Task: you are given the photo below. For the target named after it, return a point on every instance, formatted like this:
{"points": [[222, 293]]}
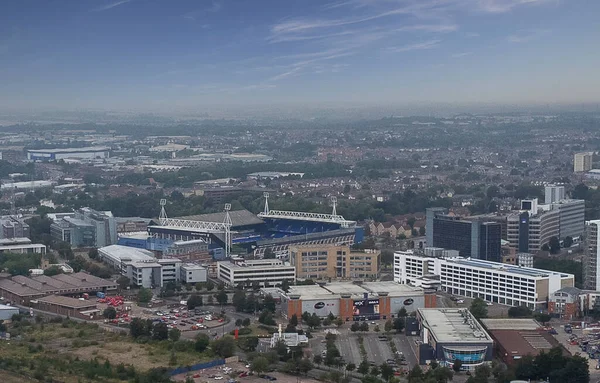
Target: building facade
{"points": [[491, 281], [60, 154], [553, 193], [86, 228], [591, 265], [582, 162], [529, 233], [14, 227], [266, 272], [331, 261], [192, 273]]}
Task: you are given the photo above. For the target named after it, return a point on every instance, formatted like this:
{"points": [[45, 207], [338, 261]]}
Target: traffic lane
{"points": [[403, 344], [378, 351], [349, 348]]}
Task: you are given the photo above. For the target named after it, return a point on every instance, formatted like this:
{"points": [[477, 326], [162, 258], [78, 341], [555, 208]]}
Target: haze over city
{"points": [[156, 55]]}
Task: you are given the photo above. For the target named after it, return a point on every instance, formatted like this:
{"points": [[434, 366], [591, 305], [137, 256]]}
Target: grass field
{"points": [[63, 351]]}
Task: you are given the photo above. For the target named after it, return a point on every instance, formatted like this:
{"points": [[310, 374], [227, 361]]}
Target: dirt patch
{"points": [[9, 377]]}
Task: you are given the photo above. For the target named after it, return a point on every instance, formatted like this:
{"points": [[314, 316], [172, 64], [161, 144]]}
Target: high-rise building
{"points": [[85, 228], [528, 232], [554, 193], [431, 213], [471, 238], [571, 217], [582, 162], [591, 265]]}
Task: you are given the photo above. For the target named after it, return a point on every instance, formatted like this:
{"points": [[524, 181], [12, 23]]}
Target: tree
{"points": [[317, 359], [388, 325], [355, 327], [52, 271], [109, 313], [144, 295], [363, 367], [93, 253], [554, 245], [387, 257], [224, 347], [269, 303], [519, 312], [259, 365], [267, 318], [123, 282], [285, 285], [174, 334], [386, 371], [364, 327], [137, 328], [246, 322], [568, 241], [305, 365], [338, 322], [239, 300], [222, 297], [402, 313], [457, 365], [542, 317], [194, 301], [350, 367], [441, 374], [294, 320], [415, 374], [399, 324], [210, 285], [160, 331], [375, 371], [478, 308], [201, 343]]}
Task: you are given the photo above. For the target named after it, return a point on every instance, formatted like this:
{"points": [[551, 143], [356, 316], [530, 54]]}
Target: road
{"points": [[378, 351], [406, 345]]}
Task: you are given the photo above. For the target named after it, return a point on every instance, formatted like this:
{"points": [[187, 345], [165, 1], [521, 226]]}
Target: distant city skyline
{"points": [[158, 55]]}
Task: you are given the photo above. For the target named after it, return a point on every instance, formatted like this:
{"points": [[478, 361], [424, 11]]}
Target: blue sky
{"points": [[183, 54]]}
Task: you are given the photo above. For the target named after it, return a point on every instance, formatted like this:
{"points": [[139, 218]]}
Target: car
{"points": [[459, 301], [489, 303], [373, 323], [247, 366], [221, 320], [218, 377]]}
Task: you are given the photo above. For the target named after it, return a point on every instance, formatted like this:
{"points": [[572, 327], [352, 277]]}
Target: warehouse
{"points": [[6, 312], [21, 290], [351, 301], [61, 154], [70, 307], [451, 334]]}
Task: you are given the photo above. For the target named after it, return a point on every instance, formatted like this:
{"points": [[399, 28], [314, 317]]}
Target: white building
{"points": [[268, 272], [553, 193], [140, 266], [582, 162], [61, 154], [21, 247], [494, 282], [192, 273]]}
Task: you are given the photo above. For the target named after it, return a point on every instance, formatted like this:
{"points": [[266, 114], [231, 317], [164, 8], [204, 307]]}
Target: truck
{"points": [[100, 295]]}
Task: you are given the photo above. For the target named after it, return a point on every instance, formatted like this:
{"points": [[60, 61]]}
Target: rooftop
{"points": [[67, 302], [5, 307], [453, 326], [510, 324], [526, 271], [71, 150], [523, 342], [118, 252], [336, 289], [42, 284]]}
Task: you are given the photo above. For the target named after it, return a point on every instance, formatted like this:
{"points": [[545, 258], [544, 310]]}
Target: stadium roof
{"points": [[238, 218]]}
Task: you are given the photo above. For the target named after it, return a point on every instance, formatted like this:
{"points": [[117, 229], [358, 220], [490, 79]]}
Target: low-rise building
{"points": [[326, 261], [565, 303], [21, 246], [192, 273], [267, 272], [451, 334], [70, 307]]}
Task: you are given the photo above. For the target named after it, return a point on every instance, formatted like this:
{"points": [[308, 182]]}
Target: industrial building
{"points": [[491, 281], [516, 338], [61, 154], [66, 306], [352, 301], [331, 261], [267, 272], [451, 334], [471, 238], [21, 290]]}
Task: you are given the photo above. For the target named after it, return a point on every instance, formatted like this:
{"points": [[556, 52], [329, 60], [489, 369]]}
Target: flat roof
{"points": [[453, 325], [357, 291], [510, 324], [249, 265], [39, 285], [524, 342], [512, 269], [6, 307], [119, 252], [71, 150], [238, 218]]}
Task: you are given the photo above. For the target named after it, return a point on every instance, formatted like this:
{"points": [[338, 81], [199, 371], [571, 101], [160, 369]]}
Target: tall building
{"points": [[591, 266], [571, 217], [331, 261], [431, 213], [528, 233], [14, 227], [471, 238], [104, 223], [582, 162], [554, 193], [85, 228]]}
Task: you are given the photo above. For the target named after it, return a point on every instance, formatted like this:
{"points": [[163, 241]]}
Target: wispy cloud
{"points": [[110, 5], [503, 6], [525, 36], [416, 47], [461, 54], [215, 6]]}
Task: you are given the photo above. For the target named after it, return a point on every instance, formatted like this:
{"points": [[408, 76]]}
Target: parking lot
{"points": [[563, 338]]}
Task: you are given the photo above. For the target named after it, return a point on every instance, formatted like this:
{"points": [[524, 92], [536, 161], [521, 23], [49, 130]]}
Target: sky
{"points": [[185, 54]]}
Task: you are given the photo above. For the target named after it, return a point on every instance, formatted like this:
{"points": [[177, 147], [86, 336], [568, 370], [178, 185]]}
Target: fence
{"points": [[196, 367]]}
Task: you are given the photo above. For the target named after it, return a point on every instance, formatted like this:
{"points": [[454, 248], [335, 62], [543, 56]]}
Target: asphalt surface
{"points": [[378, 351], [349, 348], [406, 345]]}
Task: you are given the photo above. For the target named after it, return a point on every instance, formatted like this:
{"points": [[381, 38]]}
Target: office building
{"points": [[494, 282], [571, 217], [529, 230], [61, 154], [354, 302], [266, 272], [583, 162], [451, 334], [553, 193], [192, 273], [21, 246], [471, 238], [430, 215], [591, 258], [330, 261], [85, 228], [14, 227]]}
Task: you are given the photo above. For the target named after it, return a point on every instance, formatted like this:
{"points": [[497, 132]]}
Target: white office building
{"points": [[192, 273], [494, 282], [267, 272]]}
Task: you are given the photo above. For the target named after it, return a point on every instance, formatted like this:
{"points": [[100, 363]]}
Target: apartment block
{"points": [[582, 162]]}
